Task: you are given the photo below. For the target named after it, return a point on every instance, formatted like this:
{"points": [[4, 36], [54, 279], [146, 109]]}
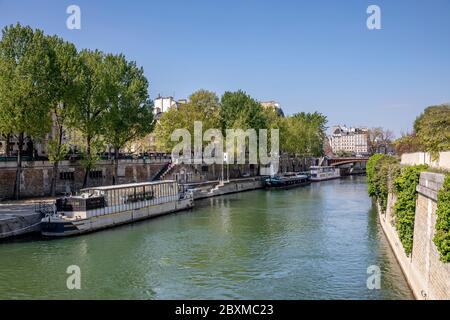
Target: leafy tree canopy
{"points": [[202, 106], [433, 128], [129, 112], [25, 81], [303, 134], [239, 110]]}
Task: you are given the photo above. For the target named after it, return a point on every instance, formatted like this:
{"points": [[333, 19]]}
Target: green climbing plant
{"points": [[370, 172], [405, 185], [442, 236], [381, 169]]}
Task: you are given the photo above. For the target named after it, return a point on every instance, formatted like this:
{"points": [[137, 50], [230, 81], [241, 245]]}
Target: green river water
{"points": [[313, 242]]}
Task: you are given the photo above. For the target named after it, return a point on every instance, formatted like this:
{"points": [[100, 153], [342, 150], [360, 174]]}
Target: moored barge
{"points": [[324, 173], [287, 181], [104, 207]]}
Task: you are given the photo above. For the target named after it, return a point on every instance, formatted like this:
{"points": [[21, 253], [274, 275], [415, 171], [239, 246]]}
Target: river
{"points": [[314, 242]]}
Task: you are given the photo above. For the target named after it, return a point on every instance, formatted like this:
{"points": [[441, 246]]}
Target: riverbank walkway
{"points": [[19, 217]]}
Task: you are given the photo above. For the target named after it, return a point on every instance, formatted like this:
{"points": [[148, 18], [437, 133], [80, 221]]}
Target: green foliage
{"points": [[239, 110], [56, 151], [88, 116], [408, 143], [203, 106], [370, 173], [405, 207], [303, 134], [25, 86], [381, 169], [91, 154], [129, 115], [65, 93], [442, 237], [433, 129], [25, 78]]}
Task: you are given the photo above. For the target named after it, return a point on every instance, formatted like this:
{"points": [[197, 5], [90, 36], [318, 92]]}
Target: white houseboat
{"points": [[104, 207], [324, 173]]}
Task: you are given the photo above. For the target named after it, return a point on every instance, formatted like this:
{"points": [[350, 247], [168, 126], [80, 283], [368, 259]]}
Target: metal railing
{"points": [[44, 208]]}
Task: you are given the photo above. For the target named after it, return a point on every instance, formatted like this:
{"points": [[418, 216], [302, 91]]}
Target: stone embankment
{"points": [[214, 189], [428, 277], [19, 218]]}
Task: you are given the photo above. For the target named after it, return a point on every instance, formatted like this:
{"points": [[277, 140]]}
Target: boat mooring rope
{"points": [[22, 229]]}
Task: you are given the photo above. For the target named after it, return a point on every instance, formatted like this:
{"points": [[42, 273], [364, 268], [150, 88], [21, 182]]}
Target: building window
{"points": [[67, 176], [95, 174]]}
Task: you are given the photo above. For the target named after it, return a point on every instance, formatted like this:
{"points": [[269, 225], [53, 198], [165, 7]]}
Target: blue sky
{"points": [[308, 55]]}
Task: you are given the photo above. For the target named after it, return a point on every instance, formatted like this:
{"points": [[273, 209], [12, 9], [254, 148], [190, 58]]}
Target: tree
{"points": [[25, 91], [65, 89], [207, 103], [203, 106], [303, 134], [239, 110], [407, 143], [379, 139], [433, 129], [129, 115], [87, 116]]}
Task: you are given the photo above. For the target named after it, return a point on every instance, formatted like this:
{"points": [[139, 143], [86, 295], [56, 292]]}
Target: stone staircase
{"points": [[167, 171], [217, 187], [163, 172], [321, 161]]}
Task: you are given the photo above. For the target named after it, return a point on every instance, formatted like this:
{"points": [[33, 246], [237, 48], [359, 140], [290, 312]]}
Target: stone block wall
{"points": [[425, 255], [36, 176], [428, 277], [441, 162]]}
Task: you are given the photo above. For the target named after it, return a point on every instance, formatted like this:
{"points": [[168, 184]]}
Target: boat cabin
{"points": [[109, 199]]}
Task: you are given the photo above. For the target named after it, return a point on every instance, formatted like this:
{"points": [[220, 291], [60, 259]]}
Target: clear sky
{"points": [[308, 55]]}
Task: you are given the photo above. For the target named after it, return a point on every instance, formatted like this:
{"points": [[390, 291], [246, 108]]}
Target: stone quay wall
{"points": [[428, 277], [36, 176], [192, 173], [442, 161]]}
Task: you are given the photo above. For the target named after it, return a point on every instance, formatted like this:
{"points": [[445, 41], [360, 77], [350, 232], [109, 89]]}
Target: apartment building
{"points": [[349, 139]]}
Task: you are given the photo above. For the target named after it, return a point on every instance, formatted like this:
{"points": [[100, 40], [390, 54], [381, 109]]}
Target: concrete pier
{"points": [[217, 188], [18, 218]]}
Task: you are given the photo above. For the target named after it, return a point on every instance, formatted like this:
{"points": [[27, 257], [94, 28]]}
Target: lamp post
{"points": [[225, 159]]}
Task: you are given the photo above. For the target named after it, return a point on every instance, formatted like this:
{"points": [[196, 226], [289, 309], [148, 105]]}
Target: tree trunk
{"points": [[54, 177], [88, 167], [8, 146], [56, 164], [19, 168], [116, 166]]}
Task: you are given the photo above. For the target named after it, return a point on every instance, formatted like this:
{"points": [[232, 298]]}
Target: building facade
{"points": [[163, 104], [273, 104], [349, 140]]}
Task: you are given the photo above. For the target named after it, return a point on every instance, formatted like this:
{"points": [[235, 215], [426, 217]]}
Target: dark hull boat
{"points": [[287, 182]]}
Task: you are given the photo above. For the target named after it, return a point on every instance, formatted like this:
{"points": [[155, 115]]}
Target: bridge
{"points": [[349, 165], [337, 162]]}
